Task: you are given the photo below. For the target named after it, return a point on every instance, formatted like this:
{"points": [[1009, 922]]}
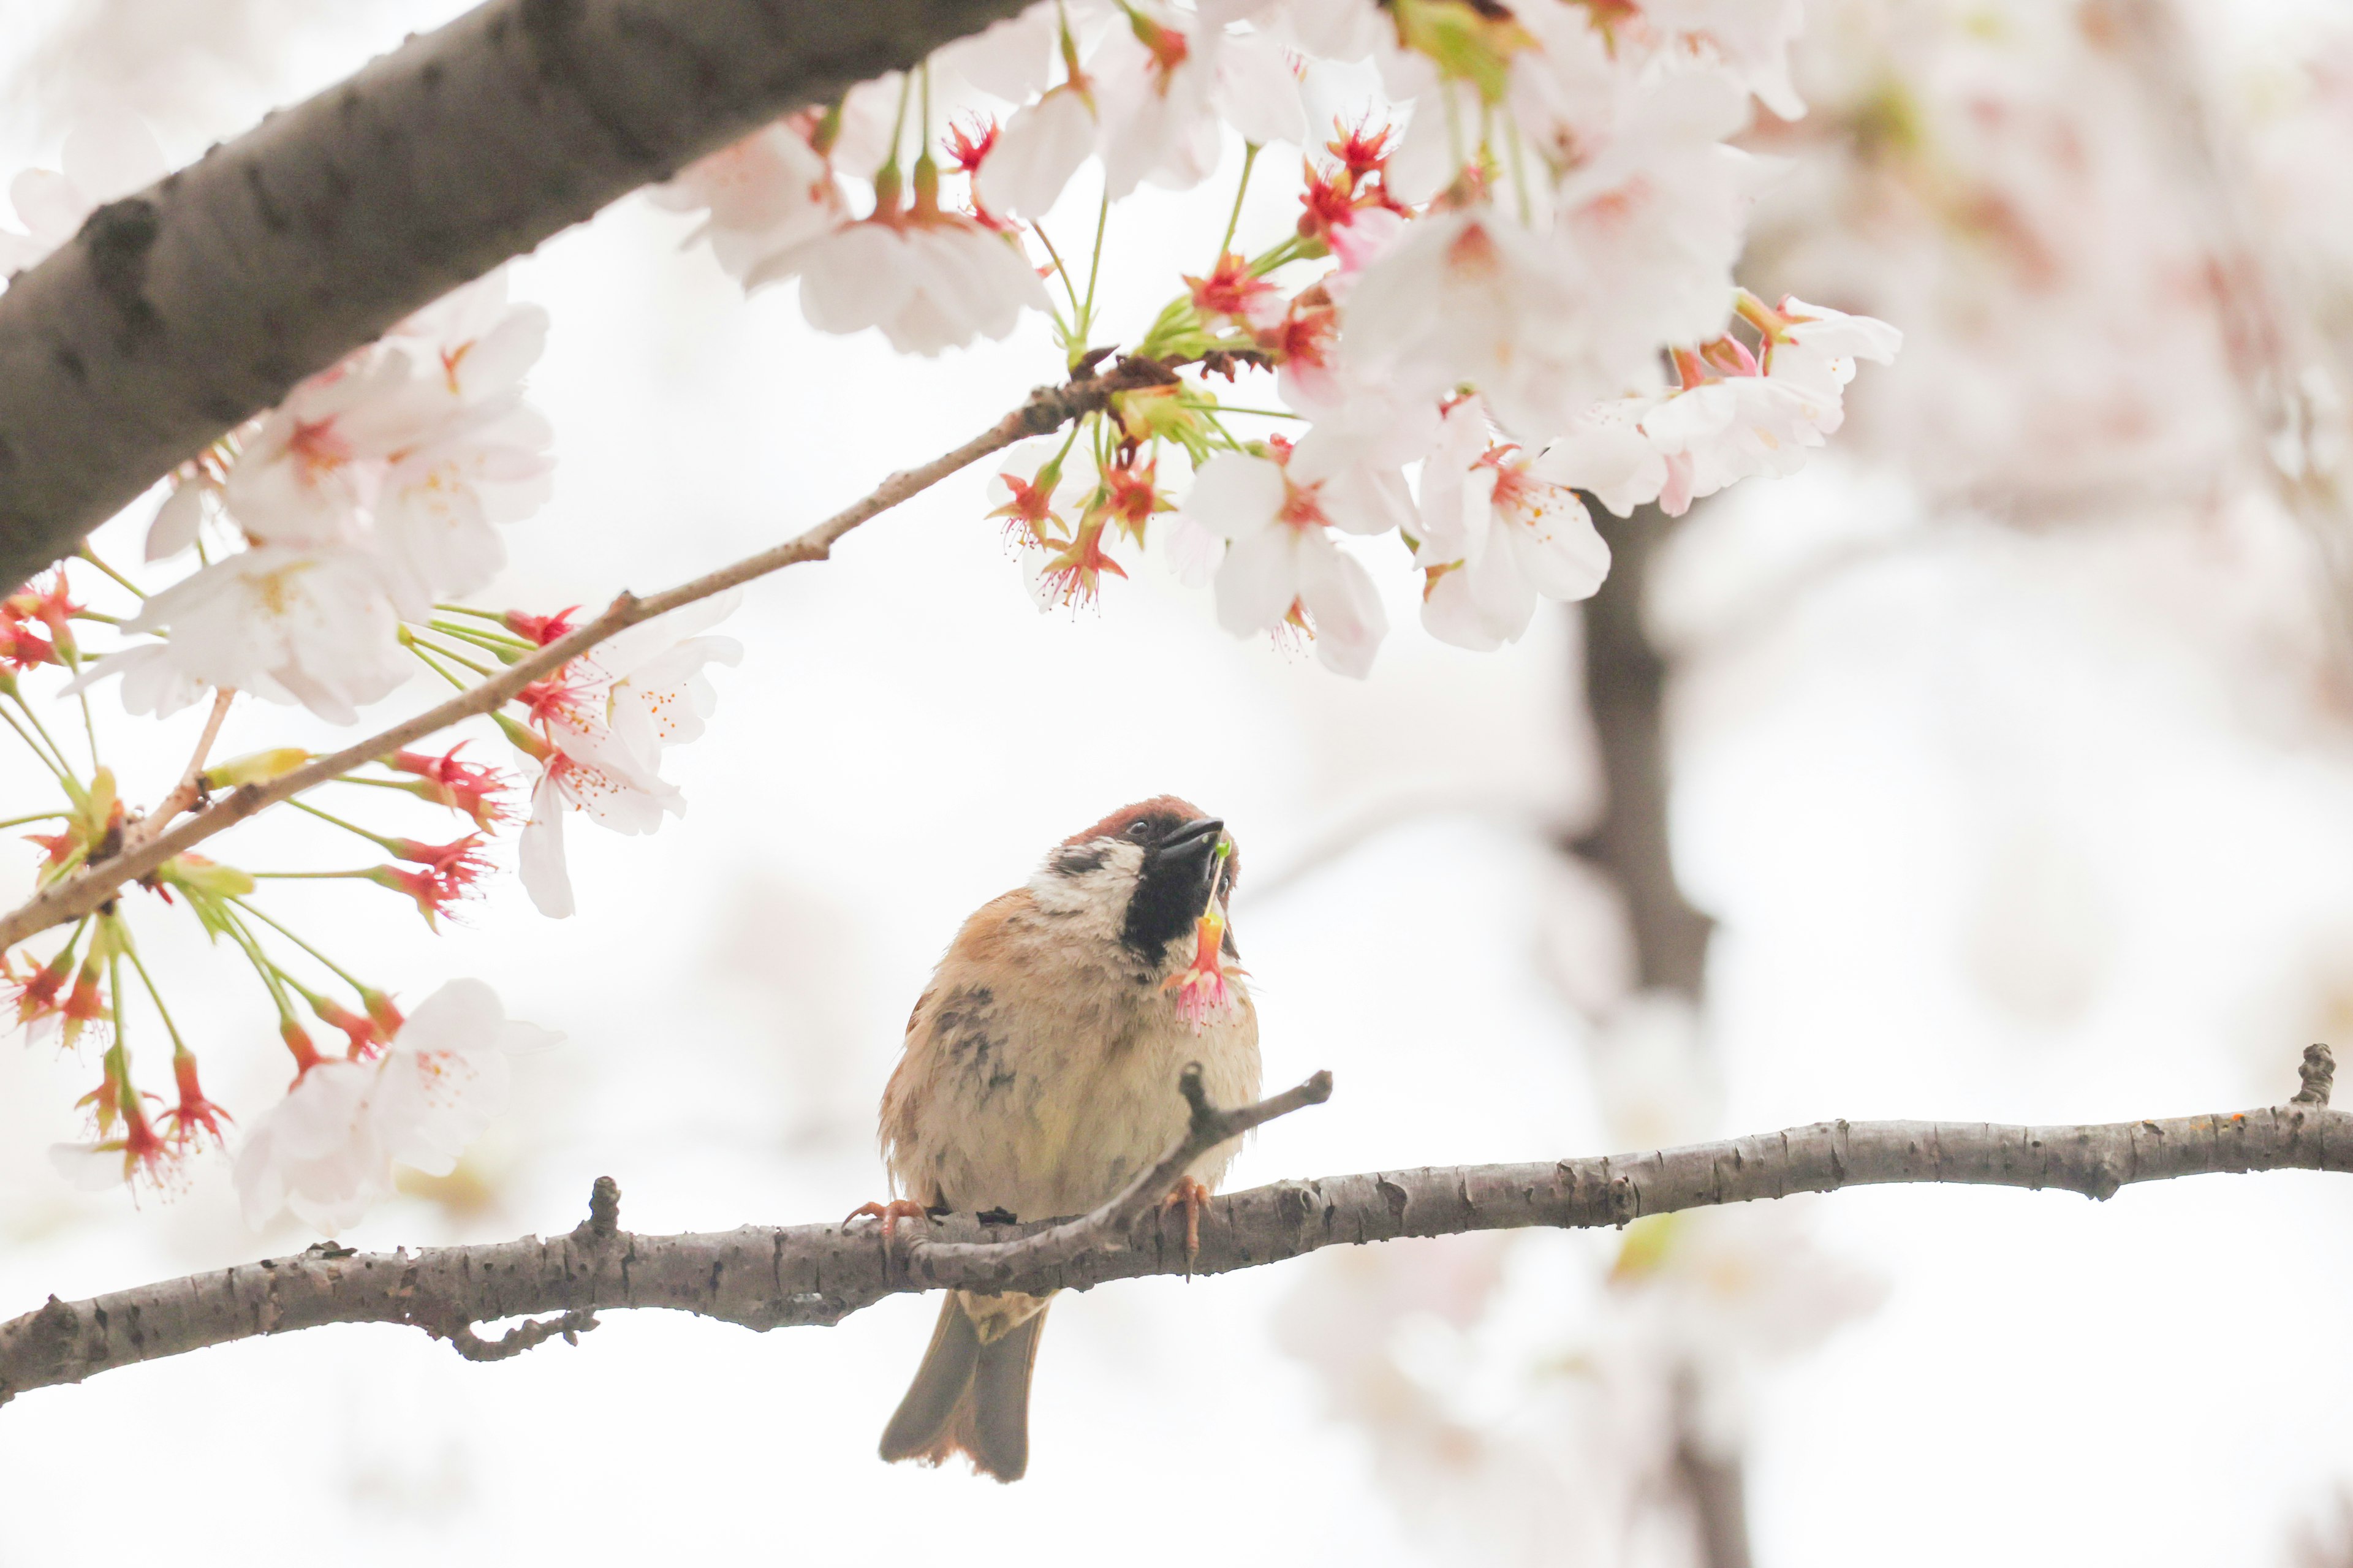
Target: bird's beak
{"points": [[1193, 848]]}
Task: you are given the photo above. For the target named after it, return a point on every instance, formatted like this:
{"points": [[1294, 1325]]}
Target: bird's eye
{"points": [[1141, 830]]}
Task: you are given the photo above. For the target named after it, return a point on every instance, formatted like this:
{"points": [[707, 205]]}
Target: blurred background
{"points": [[1999, 765]]}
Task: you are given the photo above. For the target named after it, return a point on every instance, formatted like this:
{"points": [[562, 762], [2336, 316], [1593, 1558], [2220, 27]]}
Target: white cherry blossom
{"points": [[1471, 296], [1815, 347], [315, 625], [1498, 537], [105, 156], [929, 286], [327, 1149], [765, 196], [1605, 454], [153, 683], [1281, 561], [603, 723]]}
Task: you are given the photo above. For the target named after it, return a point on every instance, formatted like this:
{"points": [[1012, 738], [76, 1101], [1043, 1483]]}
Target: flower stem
{"points": [[1062, 272], [35, 720], [1095, 265], [63, 778], [1242, 188], [339, 971], [179, 1047], [379, 840], [35, 816], [409, 636], [89, 555], [432, 664]]}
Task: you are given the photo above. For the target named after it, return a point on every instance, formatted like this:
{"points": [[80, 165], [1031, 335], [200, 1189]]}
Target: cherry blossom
{"points": [[305, 475], [1472, 296], [327, 1149], [105, 156], [929, 284], [1815, 347], [440, 501], [314, 626], [1496, 536], [1282, 565], [766, 196], [601, 725], [1150, 100]]}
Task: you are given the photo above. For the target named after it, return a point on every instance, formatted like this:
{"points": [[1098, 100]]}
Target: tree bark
{"points": [[766, 1276], [180, 311], [1625, 691]]}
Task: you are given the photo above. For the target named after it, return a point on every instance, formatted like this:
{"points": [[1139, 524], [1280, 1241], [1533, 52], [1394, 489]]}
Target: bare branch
{"points": [[76, 895], [180, 311], [970, 1265], [767, 1277]]}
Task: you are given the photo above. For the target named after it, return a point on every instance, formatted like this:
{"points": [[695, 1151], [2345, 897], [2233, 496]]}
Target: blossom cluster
{"points": [[1503, 296], [1507, 295], [310, 556]]}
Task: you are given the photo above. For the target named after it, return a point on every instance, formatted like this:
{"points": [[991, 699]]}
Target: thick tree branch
{"points": [[1625, 690], [767, 1277], [182, 311], [148, 845]]}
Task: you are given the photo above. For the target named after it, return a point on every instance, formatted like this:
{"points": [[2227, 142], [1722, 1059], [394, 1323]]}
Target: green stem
{"points": [[311, 875], [1233, 220], [409, 636], [1064, 273], [121, 1034], [36, 816], [434, 665], [492, 641], [261, 965], [378, 840], [1095, 265], [63, 778], [339, 971], [35, 720], [88, 556], [179, 1047]]}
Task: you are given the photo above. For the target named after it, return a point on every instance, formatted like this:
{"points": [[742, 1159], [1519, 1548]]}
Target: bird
{"points": [[1039, 1076]]}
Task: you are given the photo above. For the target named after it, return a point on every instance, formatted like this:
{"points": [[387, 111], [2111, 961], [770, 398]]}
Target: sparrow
{"points": [[1039, 1076]]}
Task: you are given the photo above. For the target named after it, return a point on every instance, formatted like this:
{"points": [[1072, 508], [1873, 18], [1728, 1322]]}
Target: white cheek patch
{"points": [[1090, 882]]}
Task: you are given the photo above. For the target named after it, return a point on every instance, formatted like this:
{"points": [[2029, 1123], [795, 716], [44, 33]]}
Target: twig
{"points": [[766, 1276], [970, 1264], [190, 789], [71, 896]]}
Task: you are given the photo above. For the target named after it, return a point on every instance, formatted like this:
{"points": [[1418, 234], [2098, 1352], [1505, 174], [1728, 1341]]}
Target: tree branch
{"points": [[767, 1277], [180, 311], [1625, 690], [147, 846]]}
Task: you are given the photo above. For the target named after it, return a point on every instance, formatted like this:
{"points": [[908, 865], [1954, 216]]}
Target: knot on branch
{"points": [[604, 1221], [517, 1340], [2319, 1072]]}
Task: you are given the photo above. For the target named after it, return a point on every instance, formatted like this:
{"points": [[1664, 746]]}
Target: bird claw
{"points": [[1189, 1195], [889, 1214]]}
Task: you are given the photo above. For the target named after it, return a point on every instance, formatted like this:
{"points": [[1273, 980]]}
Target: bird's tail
{"points": [[971, 1395]]}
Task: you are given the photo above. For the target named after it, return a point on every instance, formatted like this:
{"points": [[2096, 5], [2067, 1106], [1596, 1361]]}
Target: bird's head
{"points": [[1141, 877]]}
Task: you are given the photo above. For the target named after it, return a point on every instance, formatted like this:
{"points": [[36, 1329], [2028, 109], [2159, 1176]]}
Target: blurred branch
{"points": [[767, 1277], [2269, 329], [145, 849], [1625, 690], [178, 313]]}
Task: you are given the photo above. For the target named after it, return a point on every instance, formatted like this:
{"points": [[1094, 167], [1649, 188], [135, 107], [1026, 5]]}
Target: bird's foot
{"points": [[1189, 1195], [889, 1214]]}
